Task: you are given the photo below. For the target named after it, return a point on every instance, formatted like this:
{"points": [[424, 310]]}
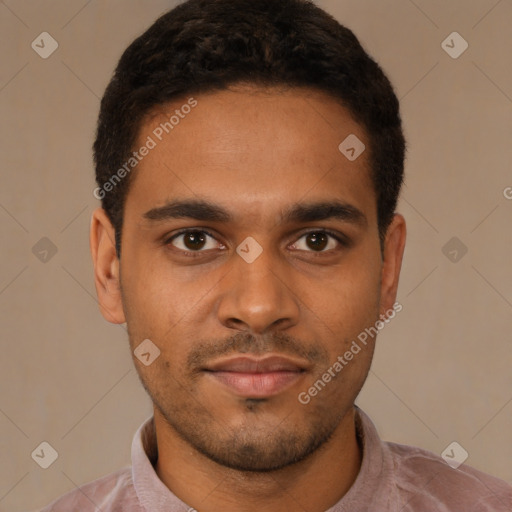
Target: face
{"points": [[251, 259]]}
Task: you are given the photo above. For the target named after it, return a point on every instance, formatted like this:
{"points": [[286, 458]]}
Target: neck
{"points": [[315, 484]]}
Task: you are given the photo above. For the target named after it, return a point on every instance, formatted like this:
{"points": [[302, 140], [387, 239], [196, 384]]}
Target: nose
{"points": [[258, 296]]}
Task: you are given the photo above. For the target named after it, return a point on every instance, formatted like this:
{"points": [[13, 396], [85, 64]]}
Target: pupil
{"points": [[316, 242], [194, 240]]}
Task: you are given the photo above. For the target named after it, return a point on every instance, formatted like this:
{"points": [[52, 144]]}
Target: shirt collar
{"points": [[153, 494], [375, 464]]}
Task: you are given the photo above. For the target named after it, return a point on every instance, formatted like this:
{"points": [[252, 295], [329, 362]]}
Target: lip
{"points": [[252, 377], [247, 364]]}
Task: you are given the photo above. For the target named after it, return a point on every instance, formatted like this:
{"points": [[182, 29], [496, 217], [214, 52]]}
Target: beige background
{"points": [[442, 367]]}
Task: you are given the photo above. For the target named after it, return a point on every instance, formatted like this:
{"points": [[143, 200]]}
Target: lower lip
{"points": [[257, 385]]}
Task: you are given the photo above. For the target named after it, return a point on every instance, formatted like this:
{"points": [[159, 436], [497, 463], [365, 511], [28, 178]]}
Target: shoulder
{"points": [[110, 493], [425, 481]]}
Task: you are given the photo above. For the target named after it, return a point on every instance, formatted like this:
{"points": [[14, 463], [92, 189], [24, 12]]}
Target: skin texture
{"points": [[255, 152]]}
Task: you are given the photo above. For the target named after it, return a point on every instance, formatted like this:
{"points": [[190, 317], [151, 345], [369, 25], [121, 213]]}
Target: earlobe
{"points": [[106, 267], [393, 253]]}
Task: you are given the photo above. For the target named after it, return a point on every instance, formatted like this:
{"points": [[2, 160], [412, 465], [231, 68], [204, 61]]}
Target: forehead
{"points": [[251, 150]]}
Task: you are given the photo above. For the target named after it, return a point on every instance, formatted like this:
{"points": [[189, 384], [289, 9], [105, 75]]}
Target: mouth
{"points": [[252, 377]]}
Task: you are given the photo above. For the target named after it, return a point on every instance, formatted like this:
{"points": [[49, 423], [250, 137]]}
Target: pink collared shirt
{"points": [[392, 478]]}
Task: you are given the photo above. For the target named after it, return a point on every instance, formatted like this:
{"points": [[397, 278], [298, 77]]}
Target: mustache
{"points": [[247, 343]]}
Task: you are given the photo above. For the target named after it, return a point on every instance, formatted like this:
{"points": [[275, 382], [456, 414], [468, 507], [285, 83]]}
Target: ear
{"points": [[394, 246], [106, 267]]}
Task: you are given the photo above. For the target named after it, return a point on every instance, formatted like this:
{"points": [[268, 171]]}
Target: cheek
{"points": [[151, 290], [161, 308], [349, 301]]}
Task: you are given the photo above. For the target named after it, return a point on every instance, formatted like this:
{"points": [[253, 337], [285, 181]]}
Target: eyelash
{"points": [[343, 242]]}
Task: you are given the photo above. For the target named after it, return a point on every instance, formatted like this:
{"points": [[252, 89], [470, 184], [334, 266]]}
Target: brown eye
{"points": [[192, 240], [319, 241]]}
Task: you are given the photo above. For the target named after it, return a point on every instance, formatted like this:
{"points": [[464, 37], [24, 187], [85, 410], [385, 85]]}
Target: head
{"points": [[225, 118]]}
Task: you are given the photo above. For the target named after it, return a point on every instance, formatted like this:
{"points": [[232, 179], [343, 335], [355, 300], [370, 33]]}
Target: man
{"points": [[249, 157]]}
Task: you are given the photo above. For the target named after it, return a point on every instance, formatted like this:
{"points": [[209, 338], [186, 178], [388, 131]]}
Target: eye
{"points": [[319, 241], [193, 240]]}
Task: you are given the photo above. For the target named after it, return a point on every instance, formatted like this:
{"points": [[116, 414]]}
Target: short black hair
{"points": [[209, 45]]}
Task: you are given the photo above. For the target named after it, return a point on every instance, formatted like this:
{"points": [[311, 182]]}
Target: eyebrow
{"points": [[202, 210]]}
